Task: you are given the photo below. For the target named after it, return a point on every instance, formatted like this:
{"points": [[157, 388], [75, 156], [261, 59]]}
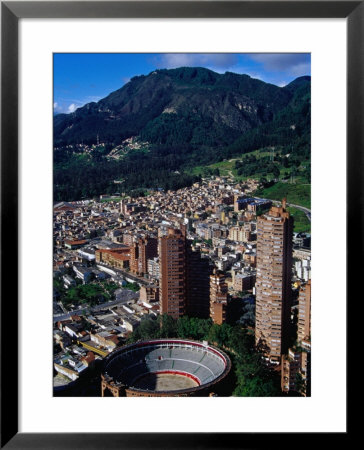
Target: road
{"points": [[123, 297], [125, 274], [302, 208]]}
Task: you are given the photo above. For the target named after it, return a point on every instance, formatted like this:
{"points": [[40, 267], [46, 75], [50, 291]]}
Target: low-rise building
{"points": [[68, 281], [149, 294], [74, 244], [244, 281], [295, 372], [83, 273], [116, 258], [106, 340]]}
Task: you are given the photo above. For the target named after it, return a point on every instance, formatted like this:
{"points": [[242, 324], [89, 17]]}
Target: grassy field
{"points": [[301, 223], [227, 168], [224, 167], [298, 194], [110, 199]]}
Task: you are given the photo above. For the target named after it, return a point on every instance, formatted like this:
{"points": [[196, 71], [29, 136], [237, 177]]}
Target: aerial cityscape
{"points": [[182, 226]]}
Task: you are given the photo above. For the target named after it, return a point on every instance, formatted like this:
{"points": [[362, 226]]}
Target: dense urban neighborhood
{"points": [[196, 264]]}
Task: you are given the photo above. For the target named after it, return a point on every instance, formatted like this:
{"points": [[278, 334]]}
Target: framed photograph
{"points": [[57, 115]]}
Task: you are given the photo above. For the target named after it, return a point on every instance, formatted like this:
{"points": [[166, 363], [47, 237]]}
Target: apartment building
{"points": [[218, 297], [172, 267], [273, 281]]}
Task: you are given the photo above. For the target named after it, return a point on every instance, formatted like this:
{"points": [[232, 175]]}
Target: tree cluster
{"points": [[85, 294]]}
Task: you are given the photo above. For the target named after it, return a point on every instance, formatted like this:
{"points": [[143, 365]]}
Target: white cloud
{"points": [[72, 108], [62, 105], [292, 62], [301, 69], [57, 108]]}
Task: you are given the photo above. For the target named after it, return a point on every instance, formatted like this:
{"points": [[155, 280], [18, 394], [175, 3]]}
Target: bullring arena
{"points": [[164, 368]]}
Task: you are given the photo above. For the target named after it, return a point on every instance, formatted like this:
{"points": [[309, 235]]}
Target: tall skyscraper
{"points": [[273, 282], [172, 278]]}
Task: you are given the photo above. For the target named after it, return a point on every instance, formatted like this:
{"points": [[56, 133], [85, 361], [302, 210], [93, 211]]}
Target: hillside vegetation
{"points": [[155, 131]]}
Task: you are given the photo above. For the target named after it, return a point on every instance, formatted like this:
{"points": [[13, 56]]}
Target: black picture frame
{"points": [[11, 12]]}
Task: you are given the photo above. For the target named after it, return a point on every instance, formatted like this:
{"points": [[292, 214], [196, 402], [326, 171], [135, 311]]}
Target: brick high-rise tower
{"points": [[273, 282], [304, 315], [218, 297], [183, 278], [172, 266]]}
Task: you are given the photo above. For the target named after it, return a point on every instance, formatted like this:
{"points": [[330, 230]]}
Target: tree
{"points": [[148, 328], [168, 326], [193, 327], [220, 334], [263, 181], [248, 317], [183, 327], [276, 172], [256, 386], [132, 286]]}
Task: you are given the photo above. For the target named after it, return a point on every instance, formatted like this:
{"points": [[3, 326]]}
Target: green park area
{"points": [[297, 194], [301, 223], [86, 294]]}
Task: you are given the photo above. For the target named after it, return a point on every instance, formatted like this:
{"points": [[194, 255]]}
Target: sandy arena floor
{"points": [[164, 382]]}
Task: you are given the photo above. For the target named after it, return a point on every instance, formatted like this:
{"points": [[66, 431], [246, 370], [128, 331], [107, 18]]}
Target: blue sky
{"points": [[81, 78]]}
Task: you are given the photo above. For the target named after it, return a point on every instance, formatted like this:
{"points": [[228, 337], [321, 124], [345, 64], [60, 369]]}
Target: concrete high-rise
{"points": [[273, 281]]}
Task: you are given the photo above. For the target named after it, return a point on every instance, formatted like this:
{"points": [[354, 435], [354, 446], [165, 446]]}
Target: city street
{"points": [[123, 296]]}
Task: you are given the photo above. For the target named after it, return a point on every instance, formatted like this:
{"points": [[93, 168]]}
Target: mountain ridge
{"points": [[154, 129], [221, 103]]}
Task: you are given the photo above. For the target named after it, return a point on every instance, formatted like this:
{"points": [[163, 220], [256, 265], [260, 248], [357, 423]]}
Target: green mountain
{"points": [[184, 117], [185, 105]]}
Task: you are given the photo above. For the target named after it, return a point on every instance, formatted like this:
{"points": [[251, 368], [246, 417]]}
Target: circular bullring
{"points": [[165, 367]]}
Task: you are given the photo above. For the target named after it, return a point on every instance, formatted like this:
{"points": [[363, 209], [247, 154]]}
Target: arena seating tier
{"points": [[200, 362]]}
